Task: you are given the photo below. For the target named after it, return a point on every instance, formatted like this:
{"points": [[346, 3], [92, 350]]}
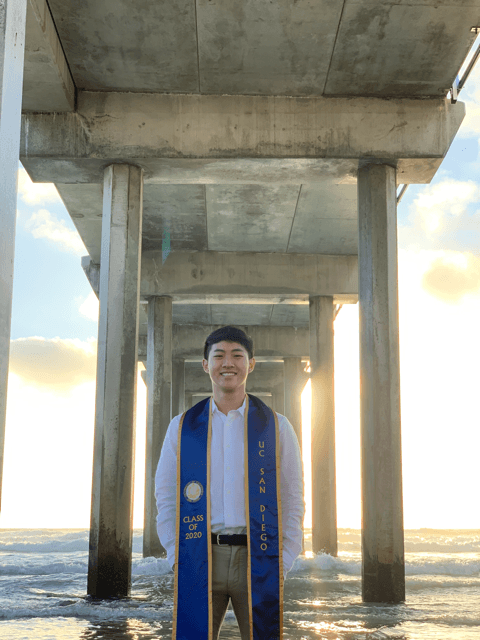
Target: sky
{"points": [[51, 392]]}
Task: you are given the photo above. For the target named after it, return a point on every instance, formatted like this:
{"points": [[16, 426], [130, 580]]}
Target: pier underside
{"points": [[233, 164]]}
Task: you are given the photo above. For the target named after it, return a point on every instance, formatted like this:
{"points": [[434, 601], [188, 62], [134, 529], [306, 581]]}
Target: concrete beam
{"points": [[48, 84], [12, 47], [215, 277], [244, 274], [152, 130], [92, 271], [110, 548], [279, 342], [383, 566]]}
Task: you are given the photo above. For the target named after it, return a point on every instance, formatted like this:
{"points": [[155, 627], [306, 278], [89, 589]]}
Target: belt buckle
{"points": [[225, 544]]}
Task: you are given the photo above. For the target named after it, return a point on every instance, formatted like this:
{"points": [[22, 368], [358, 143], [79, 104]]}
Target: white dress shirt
{"points": [[227, 490]]}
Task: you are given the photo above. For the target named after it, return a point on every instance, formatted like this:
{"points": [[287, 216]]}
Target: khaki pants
{"points": [[229, 580]]}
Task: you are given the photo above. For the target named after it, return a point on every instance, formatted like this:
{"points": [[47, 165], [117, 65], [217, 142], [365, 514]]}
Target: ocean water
{"points": [[43, 583]]}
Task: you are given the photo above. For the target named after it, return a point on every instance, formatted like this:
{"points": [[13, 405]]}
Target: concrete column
{"points": [[12, 48], [382, 509], [324, 503], [294, 382], [278, 392], [178, 387], [109, 569], [159, 409], [188, 401]]}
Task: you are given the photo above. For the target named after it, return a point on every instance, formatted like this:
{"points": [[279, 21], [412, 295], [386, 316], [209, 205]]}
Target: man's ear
{"points": [[205, 365], [251, 365]]}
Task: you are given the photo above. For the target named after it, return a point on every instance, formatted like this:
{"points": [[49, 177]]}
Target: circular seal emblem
{"points": [[193, 491]]}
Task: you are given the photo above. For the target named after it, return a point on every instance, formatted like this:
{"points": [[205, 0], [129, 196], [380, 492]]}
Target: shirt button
{"points": [[228, 491], [228, 446], [228, 468]]}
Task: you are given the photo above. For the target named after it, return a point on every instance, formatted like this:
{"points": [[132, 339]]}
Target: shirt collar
{"points": [[241, 409]]}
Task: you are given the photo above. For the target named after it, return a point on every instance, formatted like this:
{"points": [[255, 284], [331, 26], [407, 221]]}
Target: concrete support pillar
{"points": [[278, 392], [382, 509], [12, 48], [188, 401], [294, 383], [109, 569], [178, 387], [159, 409], [324, 505]]}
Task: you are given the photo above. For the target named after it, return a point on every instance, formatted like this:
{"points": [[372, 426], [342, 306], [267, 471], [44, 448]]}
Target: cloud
{"points": [[453, 276], [57, 364], [44, 224], [89, 307], [443, 216], [36, 193]]}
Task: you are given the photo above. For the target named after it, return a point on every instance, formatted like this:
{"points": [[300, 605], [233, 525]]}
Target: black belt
{"points": [[223, 539]]}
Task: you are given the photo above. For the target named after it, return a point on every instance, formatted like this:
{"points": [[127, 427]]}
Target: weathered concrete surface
{"points": [[329, 46], [245, 278], [12, 47], [130, 46], [109, 568], [295, 379], [324, 501], [204, 171], [406, 47], [382, 508], [141, 128], [243, 217], [284, 311], [184, 273], [47, 83], [159, 410], [304, 218]]}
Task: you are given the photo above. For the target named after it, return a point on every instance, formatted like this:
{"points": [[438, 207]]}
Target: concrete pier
{"points": [[324, 509], [178, 387], [295, 379], [382, 509], [251, 153], [12, 51], [109, 569], [159, 409]]}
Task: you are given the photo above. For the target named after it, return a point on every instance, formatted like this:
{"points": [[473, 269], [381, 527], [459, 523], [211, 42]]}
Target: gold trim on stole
{"points": [[177, 533], [209, 522], [280, 522], [209, 529], [247, 518]]}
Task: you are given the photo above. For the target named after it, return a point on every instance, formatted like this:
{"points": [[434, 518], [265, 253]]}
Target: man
{"points": [[245, 458]]}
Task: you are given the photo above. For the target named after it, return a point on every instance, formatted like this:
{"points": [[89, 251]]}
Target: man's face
{"points": [[228, 365]]}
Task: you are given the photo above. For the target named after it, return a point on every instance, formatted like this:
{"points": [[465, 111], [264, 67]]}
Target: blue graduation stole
{"points": [[192, 612]]}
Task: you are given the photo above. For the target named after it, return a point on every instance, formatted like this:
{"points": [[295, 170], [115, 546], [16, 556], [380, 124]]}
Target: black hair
{"points": [[228, 334]]}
